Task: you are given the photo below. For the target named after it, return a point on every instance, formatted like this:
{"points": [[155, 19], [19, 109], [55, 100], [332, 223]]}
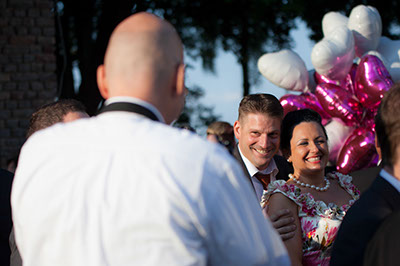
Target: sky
{"points": [[223, 89]]}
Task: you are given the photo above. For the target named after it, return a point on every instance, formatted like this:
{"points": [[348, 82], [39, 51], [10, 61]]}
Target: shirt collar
{"points": [[272, 169], [128, 99], [391, 179]]}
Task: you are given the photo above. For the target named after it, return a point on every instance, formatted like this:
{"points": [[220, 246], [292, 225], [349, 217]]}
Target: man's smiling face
{"points": [[259, 137]]}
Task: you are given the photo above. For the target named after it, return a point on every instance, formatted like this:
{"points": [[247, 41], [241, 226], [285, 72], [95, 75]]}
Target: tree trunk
{"points": [[244, 50], [113, 12], [245, 72], [64, 61]]}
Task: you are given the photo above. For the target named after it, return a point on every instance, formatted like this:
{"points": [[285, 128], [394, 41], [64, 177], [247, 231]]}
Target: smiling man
{"points": [[258, 131]]}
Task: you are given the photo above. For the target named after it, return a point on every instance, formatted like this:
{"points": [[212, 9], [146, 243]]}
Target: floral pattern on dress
{"points": [[319, 221]]}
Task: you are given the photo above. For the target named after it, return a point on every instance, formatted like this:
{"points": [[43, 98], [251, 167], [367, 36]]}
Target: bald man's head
{"points": [[144, 59]]}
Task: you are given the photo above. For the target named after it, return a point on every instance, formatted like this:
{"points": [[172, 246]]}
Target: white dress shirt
{"points": [[120, 189], [271, 170]]}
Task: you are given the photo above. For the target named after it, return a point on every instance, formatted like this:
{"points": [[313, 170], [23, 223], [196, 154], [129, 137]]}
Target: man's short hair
{"points": [[260, 103], [52, 113], [387, 125]]}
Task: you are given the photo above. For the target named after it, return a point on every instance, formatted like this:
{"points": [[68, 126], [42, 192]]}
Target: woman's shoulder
{"points": [[288, 190], [346, 182], [343, 178], [285, 187]]}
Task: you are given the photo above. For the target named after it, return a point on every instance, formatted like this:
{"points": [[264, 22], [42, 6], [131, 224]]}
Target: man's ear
{"points": [[102, 82], [180, 80], [236, 129], [376, 141]]}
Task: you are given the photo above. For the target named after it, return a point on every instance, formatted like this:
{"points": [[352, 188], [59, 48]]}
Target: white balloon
{"points": [[366, 24], [337, 134], [381, 57], [333, 56], [333, 20], [390, 51], [285, 69]]}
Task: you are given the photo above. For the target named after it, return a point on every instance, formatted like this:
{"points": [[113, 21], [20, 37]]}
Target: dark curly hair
{"points": [[291, 120]]}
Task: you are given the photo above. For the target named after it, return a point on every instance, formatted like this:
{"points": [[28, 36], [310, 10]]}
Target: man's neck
{"points": [[394, 171], [136, 101]]}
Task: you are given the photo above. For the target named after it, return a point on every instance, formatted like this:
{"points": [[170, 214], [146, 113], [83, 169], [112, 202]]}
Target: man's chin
{"points": [[261, 165]]}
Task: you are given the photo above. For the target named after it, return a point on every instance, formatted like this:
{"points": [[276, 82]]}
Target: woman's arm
{"points": [[278, 202]]}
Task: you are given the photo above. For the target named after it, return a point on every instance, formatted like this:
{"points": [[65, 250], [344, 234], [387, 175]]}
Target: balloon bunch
{"points": [[346, 94]]}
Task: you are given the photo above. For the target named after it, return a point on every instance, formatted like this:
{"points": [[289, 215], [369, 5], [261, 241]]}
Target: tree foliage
{"points": [[312, 13], [195, 114], [247, 28]]}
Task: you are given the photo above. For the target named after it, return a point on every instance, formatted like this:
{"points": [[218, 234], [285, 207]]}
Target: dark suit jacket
{"points": [[15, 257], [384, 247], [6, 179], [363, 178], [283, 166], [361, 222]]}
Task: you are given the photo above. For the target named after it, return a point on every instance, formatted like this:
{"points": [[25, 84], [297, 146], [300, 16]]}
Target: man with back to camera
{"points": [[382, 198], [136, 191]]}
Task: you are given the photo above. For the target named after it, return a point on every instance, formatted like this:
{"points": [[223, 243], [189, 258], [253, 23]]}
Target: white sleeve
{"points": [[241, 235]]}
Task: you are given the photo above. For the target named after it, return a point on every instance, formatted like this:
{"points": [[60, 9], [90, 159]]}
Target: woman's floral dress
{"points": [[319, 221]]}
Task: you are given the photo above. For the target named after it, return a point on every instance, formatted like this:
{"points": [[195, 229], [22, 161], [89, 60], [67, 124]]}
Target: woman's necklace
{"points": [[325, 188]]}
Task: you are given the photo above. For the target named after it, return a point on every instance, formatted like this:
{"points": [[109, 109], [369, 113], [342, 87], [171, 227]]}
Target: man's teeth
{"points": [[314, 159], [261, 151]]}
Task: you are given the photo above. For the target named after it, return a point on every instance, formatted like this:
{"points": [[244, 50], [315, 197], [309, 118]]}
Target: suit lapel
{"points": [[236, 154]]}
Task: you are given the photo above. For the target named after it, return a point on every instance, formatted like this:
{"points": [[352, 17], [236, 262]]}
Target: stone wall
{"points": [[27, 67]]}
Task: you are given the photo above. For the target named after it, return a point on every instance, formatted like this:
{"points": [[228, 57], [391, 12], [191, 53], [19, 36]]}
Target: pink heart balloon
{"points": [[369, 116], [374, 162], [351, 79], [291, 102], [357, 152], [338, 102], [319, 79], [347, 83], [337, 134], [311, 102], [372, 81]]}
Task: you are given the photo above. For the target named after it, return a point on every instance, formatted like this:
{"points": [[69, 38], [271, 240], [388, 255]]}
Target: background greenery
{"points": [[247, 28]]}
